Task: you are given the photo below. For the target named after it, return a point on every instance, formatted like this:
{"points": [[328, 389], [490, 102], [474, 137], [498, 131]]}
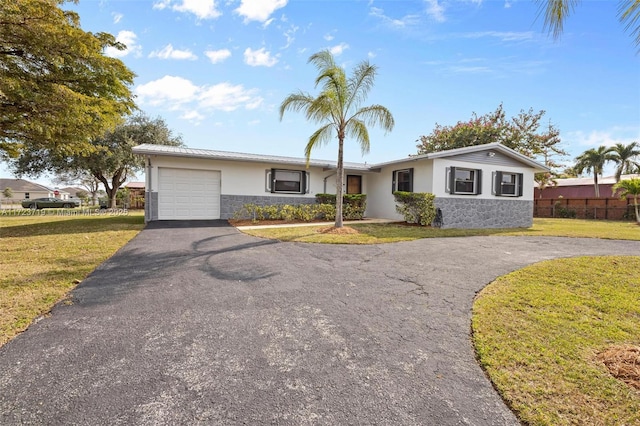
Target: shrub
{"points": [[416, 207], [353, 205]]}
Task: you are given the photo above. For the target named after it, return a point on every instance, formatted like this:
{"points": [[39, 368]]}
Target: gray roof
{"points": [[176, 151], [21, 185], [495, 146], [148, 149]]}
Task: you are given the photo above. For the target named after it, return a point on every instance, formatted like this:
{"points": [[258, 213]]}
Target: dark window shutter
{"points": [[393, 181], [452, 180], [479, 182], [497, 184], [303, 182], [520, 179], [411, 179], [273, 180]]}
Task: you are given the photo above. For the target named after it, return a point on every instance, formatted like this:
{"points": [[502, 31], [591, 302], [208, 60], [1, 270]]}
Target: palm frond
{"points": [[320, 137], [360, 83], [357, 130], [296, 102], [374, 115], [629, 15], [555, 12]]}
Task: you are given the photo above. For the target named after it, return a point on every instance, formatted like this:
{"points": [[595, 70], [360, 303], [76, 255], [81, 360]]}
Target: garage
{"points": [[188, 194]]}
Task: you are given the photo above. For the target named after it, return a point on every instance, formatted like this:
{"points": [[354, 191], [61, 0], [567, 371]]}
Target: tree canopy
{"points": [[110, 161], [522, 133], [593, 161], [626, 157], [57, 88], [338, 108]]}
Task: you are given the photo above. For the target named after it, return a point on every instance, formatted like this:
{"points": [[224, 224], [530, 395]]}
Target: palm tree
{"points": [[629, 187], [625, 157], [555, 12], [338, 108], [592, 161]]}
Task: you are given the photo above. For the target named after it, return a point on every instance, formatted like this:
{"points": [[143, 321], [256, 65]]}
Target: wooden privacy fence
{"points": [[585, 208]]}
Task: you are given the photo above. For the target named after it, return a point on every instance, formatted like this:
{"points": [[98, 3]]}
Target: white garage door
{"points": [[188, 194]]}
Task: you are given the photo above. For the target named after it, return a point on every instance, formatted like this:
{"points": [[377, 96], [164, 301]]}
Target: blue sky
{"points": [[217, 71]]}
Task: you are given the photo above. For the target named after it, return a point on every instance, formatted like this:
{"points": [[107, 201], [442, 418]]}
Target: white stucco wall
{"points": [[247, 178], [380, 201]]}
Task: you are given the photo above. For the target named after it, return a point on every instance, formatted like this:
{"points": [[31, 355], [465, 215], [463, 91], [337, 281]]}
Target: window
{"points": [[287, 181], [402, 180], [464, 181], [507, 184], [26, 195]]}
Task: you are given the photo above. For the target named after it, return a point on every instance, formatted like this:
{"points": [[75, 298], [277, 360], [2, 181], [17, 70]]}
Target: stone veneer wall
{"points": [[150, 206], [229, 204], [478, 213]]}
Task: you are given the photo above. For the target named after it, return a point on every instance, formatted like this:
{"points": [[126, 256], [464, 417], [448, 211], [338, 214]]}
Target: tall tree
{"points": [[337, 108], [627, 157], [629, 187], [111, 160], [521, 133], [593, 161], [57, 88], [556, 12]]}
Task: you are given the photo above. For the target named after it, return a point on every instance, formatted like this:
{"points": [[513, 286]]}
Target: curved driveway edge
{"points": [[196, 323]]}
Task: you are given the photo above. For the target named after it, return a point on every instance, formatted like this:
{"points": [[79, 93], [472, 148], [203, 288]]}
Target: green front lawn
{"points": [[539, 331], [374, 233], [44, 255]]}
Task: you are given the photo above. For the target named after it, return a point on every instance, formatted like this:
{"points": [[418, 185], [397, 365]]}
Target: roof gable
{"points": [[21, 185]]}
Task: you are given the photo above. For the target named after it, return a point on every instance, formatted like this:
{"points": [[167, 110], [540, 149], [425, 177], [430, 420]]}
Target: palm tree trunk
{"points": [[339, 183], [635, 205], [595, 183]]}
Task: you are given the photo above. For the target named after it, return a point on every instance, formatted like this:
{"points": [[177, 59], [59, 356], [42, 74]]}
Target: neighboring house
{"points": [[73, 191], [136, 194], [580, 187], [475, 187], [25, 190]]}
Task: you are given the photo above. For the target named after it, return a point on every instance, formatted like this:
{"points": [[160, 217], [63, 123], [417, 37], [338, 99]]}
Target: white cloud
{"points": [[117, 17], [403, 22], [202, 9], [260, 57], [435, 10], [259, 10], [129, 39], [177, 93], [227, 97], [371, 55], [289, 35], [168, 52], [192, 116], [329, 37], [169, 90], [217, 56], [597, 138], [338, 49], [502, 35]]}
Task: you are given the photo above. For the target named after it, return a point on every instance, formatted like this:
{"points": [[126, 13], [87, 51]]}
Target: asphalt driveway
{"points": [[196, 323]]}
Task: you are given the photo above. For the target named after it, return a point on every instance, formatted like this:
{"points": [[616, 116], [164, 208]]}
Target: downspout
{"points": [[325, 181], [149, 202]]}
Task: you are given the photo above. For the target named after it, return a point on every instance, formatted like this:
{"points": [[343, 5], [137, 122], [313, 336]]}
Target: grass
{"points": [[45, 255], [375, 233], [537, 332]]}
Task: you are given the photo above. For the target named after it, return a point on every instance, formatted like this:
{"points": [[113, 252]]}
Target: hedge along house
{"points": [[475, 187]]}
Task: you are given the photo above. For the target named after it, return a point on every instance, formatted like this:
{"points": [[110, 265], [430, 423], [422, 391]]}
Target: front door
{"points": [[354, 184]]}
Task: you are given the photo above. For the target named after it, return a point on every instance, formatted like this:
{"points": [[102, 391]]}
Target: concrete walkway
{"points": [[197, 323]]}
